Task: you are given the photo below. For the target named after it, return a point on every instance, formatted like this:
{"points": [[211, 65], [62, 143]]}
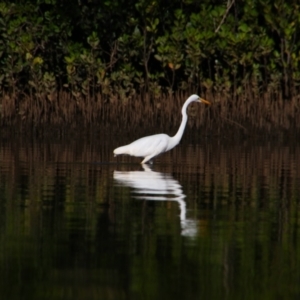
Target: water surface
{"points": [[212, 219]]}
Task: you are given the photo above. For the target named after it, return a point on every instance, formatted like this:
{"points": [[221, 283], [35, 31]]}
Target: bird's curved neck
{"points": [[177, 137]]}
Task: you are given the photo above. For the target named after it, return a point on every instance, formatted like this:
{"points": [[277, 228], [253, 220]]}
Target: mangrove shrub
{"points": [[121, 49]]}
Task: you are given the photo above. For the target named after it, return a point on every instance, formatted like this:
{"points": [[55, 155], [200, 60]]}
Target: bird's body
{"points": [[147, 147], [153, 145]]}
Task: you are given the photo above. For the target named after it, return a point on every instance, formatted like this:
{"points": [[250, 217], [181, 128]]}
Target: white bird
{"points": [[153, 145]]}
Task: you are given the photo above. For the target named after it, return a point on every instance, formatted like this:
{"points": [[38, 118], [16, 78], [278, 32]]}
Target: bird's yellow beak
{"points": [[204, 101]]}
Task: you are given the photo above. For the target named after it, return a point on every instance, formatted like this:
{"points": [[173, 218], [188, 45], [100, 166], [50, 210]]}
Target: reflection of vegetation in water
{"points": [[64, 224], [62, 67]]}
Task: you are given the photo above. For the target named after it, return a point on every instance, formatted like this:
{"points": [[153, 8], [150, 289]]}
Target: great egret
{"points": [[153, 145]]}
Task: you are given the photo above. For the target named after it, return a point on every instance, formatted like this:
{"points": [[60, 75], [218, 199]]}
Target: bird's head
{"points": [[196, 98]]}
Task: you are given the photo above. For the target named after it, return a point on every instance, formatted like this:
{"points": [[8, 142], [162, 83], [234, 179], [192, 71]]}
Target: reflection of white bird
{"points": [[153, 145], [157, 186]]}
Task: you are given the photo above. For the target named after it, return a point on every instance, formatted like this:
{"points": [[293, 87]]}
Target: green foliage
{"points": [[124, 48]]}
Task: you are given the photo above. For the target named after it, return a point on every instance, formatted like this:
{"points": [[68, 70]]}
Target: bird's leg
{"points": [[150, 162], [148, 159]]}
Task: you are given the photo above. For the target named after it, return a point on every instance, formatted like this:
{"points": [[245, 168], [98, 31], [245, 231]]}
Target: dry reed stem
{"points": [[246, 113]]}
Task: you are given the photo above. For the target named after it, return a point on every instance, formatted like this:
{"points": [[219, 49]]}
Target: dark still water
{"points": [[208, 221]]}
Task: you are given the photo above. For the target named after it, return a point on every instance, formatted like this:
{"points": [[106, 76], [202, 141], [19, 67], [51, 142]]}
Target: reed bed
{"points": [[246, 114]]}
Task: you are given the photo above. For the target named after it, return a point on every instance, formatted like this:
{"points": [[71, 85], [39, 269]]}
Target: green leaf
{"points": [[244, 28]]}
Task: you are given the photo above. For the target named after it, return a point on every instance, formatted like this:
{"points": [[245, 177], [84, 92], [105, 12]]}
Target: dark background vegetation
{"points": [[70, 61]]}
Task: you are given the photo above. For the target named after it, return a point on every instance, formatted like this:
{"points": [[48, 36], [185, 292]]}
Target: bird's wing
{"points": [[154, 144]]}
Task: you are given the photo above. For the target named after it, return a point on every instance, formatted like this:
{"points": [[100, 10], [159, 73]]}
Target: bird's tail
{"points": [[120, 150]]}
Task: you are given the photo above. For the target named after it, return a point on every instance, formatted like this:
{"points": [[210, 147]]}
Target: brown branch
{"points": [[236, 123], [225, 15]]}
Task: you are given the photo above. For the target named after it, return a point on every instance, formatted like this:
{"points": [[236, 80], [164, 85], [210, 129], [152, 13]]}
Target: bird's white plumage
{"points": [[147, 147], [153, 145]]}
